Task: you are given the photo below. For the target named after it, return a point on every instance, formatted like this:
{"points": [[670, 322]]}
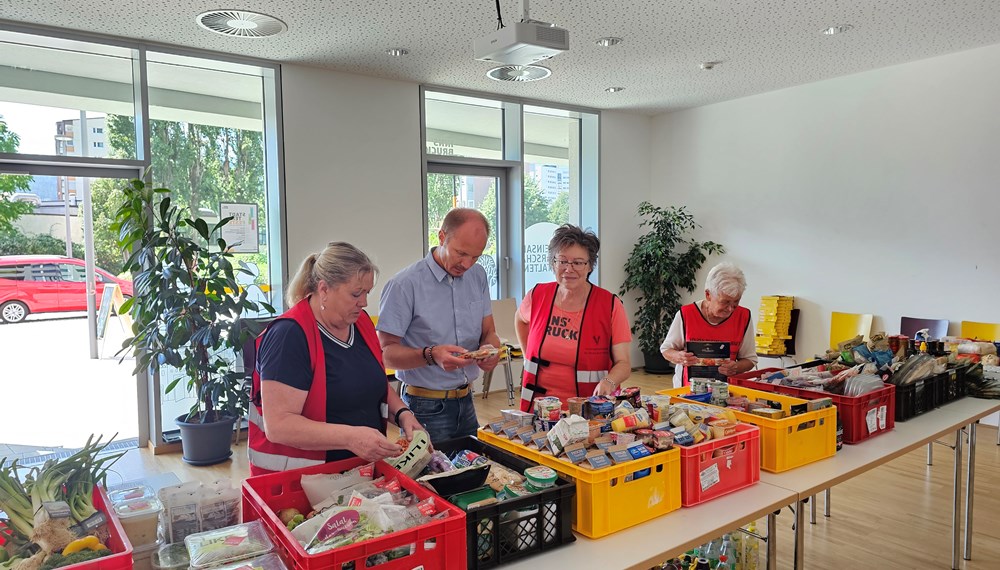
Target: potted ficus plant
{"points": [[186, 312], [664, 262]]}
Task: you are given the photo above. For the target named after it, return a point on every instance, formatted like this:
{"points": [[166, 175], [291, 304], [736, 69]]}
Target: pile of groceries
{"points": [[601, 431], [739, 550]]}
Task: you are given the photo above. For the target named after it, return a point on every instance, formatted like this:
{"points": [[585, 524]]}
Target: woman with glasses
{"points": [[718, 319], [574, 334]]}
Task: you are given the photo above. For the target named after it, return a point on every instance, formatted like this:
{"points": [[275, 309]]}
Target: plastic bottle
{"points": [[723, 563], [702, 564], [751, 552]]}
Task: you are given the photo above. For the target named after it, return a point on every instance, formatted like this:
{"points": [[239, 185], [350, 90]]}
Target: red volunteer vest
{"points": [[731, 330], [593, 352], [267, 456]]}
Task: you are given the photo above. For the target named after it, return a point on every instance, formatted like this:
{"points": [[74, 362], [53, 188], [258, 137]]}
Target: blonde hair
{"points": [[338, 263]]}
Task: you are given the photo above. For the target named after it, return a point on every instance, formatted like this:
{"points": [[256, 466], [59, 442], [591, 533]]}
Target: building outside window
{"points": [[528, 168]]}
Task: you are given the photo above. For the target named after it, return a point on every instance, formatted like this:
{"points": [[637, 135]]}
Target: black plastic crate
{"points": [[920, 397], [517, 528], [957, 385]]}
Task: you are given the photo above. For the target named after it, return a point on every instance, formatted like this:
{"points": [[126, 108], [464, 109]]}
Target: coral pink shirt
{"points": [[559, 348]]}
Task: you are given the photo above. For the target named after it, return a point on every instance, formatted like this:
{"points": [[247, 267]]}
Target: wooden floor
{"points": [[895, 516]]}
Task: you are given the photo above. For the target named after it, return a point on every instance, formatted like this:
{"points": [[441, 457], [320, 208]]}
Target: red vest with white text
{"points": [[593, 351], [267, 456], [731, 330]]}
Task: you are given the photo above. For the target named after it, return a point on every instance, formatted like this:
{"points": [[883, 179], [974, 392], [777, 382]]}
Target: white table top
{"points": [[655, 541], [853, 460]]}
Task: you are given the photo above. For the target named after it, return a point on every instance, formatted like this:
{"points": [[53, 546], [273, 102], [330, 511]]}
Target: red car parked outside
{"points": [[47, 283]]}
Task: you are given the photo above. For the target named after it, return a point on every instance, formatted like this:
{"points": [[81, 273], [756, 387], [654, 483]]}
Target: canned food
{"points": [[468, 458]]}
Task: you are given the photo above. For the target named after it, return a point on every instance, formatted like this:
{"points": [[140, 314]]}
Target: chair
{"points": [[848, 325], [909, 326], [503, 318], [981, 331]]}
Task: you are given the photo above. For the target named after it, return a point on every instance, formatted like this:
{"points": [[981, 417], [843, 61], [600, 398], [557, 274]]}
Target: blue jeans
{"points": [[444, 419]]}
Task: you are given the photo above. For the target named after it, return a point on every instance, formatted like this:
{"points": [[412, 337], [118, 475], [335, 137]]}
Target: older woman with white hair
{"points": [[718, 318]]}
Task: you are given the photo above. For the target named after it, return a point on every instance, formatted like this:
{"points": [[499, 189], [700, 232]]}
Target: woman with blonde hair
{"points": [[320, 392]]}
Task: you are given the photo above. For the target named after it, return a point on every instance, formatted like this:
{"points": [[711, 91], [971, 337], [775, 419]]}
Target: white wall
{"points": [[625, 170], [875, 192], [352, 167]]}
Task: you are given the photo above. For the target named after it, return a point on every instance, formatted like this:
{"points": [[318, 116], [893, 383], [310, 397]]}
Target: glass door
{"points": [[453, 186]]}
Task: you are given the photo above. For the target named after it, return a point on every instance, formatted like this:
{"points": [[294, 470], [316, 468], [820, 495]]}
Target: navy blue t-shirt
{"points": [[355, 383]]}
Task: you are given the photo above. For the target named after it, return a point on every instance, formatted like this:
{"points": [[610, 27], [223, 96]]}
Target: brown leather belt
{"points": [[460, 392]]}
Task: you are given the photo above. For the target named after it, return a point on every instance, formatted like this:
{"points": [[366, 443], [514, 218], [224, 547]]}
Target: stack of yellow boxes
{"points": [[772, 324]]}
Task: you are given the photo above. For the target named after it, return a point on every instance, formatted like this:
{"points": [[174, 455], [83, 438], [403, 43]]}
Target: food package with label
{"points": [[230, 544], [140, 519], [568, 431]]}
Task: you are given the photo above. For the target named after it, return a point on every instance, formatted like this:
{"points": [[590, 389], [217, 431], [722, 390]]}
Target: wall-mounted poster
{"points": [[241, 232]]}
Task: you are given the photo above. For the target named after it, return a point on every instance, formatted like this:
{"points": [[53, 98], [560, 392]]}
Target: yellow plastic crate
{"points": [[790, 442], [605, 501]]}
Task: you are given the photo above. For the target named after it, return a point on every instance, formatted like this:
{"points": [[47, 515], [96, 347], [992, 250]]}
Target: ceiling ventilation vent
{"points": [[241, 24], [518, 73]]}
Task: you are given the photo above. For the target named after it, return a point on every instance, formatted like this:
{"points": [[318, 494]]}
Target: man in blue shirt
{"points": [[434, 310]]}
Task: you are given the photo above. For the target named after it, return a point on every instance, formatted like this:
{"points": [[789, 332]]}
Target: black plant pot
{"points": [[206, 444], [656, 364]]}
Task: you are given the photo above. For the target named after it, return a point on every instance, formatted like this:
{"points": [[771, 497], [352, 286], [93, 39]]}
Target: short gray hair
{"points": [[568, 235], [726, 279]]}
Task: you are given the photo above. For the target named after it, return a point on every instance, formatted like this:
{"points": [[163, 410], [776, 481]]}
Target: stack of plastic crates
{"points": [[774, 318]]}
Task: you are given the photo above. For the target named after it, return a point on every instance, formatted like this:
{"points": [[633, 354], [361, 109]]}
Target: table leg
{"points": [[812, 509], [487, 380], [826, 503], [800, 535], [970, 485], [955, 510], [930, 453], [772, 543]]}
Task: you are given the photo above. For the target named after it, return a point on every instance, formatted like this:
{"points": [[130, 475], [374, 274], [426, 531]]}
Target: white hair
{"points": [[726, 279]]}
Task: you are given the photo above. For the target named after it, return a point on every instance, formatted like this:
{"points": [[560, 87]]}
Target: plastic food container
{"points": [[142, 557], [172, 556], [230, 544], [139, 518], [540, 477], [119, 496]]}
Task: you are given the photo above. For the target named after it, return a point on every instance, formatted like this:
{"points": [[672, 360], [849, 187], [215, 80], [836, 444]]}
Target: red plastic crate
{"points": [[436, 543], [720, 466], [862, 417], [121, 548]]}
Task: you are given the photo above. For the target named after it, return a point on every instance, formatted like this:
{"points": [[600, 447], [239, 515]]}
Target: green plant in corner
{"points": [[187, 303], [664, 261]]}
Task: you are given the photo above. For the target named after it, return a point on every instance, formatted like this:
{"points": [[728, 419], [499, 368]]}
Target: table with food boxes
{"points": [[671, 479]]}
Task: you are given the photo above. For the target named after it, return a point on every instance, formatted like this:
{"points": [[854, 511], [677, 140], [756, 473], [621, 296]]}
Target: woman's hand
{"points": [[408, 424], [369, 444], [605, 387], [680, 357]]}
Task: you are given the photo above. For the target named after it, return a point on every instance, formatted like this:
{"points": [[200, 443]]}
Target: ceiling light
{"points": [[838, 29], [614, 89], [397, 52], [240, 23], [608, 41], [709, 64], [518, 73]]}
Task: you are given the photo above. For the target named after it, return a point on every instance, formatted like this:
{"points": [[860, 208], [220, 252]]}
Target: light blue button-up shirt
{"points": [[424, 305]]}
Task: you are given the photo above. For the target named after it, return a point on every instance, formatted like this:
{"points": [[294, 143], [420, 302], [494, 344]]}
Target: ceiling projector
{"points": [[522, 43]]}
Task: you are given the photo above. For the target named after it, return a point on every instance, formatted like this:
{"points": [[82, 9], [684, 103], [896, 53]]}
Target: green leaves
{"points": [[663, 262], [187, 304]]}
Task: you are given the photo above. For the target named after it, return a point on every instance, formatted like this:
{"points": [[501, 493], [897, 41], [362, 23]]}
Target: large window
{"points": [[547, 157], [79, 117]]}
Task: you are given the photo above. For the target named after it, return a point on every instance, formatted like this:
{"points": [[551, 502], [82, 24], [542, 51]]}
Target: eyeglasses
{"points": [[577, 264]]}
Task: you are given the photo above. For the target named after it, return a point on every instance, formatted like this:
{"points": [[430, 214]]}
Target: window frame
{"points": [[511, 228]]}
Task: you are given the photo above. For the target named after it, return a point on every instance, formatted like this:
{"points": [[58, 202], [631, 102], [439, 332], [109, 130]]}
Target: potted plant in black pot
{"points": [[664, 261], [186, 312]]}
